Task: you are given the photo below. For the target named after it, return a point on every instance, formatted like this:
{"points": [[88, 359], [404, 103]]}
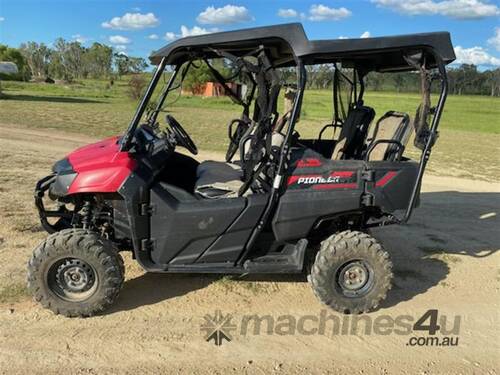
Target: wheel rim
{"points": [[72, 279], [354, 278]]}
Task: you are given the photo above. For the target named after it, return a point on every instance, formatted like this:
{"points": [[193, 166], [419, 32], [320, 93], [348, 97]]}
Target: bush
{"points": [[136, 86]]}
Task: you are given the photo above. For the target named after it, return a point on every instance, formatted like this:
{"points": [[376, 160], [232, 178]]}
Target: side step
{"points": [[291, 260]]}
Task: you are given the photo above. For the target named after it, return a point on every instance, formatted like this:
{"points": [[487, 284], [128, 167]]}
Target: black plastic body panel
{"points": [[393, 184], [186, 231], [299, 210], [318, 188], [229, 246]]}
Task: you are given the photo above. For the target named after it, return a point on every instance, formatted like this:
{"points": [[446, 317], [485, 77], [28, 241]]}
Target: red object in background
{"points": [[101, 167]]}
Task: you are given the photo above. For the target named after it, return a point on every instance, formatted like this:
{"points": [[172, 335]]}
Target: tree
{"points": [[37, 57], [136, 65], [136, 86], [67, 60], [98, 61], [399, 81], [466, 77], [196, 77], [493, 81], [375, 81], [14, 55], [199, 73], [126, 65]]}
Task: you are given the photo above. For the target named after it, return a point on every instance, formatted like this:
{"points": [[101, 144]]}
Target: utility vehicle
{"points": [[280, 203]]}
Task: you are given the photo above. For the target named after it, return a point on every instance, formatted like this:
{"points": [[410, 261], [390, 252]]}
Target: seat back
{"points": [[393, 126], [353, 133]]}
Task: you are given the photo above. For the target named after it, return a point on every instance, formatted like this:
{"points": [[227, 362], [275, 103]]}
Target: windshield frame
{"points": [[126, 141]]}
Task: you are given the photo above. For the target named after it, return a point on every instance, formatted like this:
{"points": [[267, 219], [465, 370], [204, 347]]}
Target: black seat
{"points": [[216, 179], [353, 134]]}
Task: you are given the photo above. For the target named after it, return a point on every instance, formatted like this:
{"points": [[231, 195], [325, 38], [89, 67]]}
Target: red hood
{"points": [[95, 155], [101, 167]]}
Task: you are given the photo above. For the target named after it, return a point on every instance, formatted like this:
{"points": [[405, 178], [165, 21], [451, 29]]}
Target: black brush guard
{"points": [[65, 217]]}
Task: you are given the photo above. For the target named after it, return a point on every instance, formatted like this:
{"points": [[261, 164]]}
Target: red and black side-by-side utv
{"points": [[280, 203]]}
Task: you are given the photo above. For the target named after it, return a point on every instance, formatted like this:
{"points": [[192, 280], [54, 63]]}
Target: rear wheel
{"points": [[351, 273], [75, 272]]}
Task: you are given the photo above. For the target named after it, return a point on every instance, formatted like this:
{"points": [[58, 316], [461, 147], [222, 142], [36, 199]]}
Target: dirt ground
{"points": [[446, 259]]}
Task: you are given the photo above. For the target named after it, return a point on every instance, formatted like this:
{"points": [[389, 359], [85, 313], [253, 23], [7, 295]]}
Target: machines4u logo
{"points": [[218, 327], [429, 329]]}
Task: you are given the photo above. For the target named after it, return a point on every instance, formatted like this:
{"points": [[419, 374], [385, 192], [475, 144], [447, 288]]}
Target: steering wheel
{"points": [[235, 137], [183, 139]]}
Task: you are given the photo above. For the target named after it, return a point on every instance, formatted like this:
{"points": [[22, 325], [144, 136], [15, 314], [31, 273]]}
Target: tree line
{"points": [[68, 61], [465, 79]]}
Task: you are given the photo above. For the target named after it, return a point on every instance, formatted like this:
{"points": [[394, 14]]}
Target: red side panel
{"points": [[101, 167]]}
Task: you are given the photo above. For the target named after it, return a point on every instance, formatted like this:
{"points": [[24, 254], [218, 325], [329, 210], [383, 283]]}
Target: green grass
{"points": [[468, 145]]}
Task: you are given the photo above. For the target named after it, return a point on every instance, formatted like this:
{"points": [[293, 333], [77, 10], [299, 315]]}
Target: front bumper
{"points": [[65, 216]]}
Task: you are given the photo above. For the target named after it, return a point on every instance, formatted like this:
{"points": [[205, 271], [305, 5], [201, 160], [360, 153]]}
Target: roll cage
{"points": [[287, 46]]}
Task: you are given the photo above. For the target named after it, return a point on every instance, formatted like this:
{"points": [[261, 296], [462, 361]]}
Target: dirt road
{"points": [[446, 259]]}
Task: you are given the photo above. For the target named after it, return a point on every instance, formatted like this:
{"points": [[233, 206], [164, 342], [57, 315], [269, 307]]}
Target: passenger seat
{"points": [[391, 126], [353, 134]]}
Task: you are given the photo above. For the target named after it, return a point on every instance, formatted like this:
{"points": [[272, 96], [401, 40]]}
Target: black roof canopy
{"points": [[285, 43]]}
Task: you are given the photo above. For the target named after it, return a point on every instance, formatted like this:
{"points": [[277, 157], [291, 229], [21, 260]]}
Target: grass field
{"points": [[468, 145]]}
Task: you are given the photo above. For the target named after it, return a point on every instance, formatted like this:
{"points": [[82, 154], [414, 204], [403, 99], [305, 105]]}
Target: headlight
{"points": [[64, 177], [62, 166]]}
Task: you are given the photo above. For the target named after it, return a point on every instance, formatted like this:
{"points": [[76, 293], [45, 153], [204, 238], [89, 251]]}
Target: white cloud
{"points": [[460, 9], [170, 36], [366, 34], [495, 40], [287, 13], [2, 19], [196, 30], [320, 12], [132, 21], [80, 38], [186, 31], [153, 36], [136, 9], [475, 55], [118, 39], [121, 48], [226, 15]]}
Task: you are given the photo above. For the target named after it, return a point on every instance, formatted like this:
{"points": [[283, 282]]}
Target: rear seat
{"points": [[353, 134], [391, 126]]}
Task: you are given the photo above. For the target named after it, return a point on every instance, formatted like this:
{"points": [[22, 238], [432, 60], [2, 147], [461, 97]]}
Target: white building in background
{"points": [[7, 67]]}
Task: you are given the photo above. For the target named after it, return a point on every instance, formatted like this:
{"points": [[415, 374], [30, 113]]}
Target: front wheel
{"points": [[351, 273], [75, 272]]}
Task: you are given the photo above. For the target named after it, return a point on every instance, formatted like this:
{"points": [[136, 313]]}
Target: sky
{"points": [[138, 27]]}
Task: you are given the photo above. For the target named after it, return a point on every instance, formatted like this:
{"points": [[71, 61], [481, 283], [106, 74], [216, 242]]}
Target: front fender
{"points": [[106, 178]]}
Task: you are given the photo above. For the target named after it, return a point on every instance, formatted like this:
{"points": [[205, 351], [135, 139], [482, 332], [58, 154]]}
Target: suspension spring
{"points": [[86, 214]]}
